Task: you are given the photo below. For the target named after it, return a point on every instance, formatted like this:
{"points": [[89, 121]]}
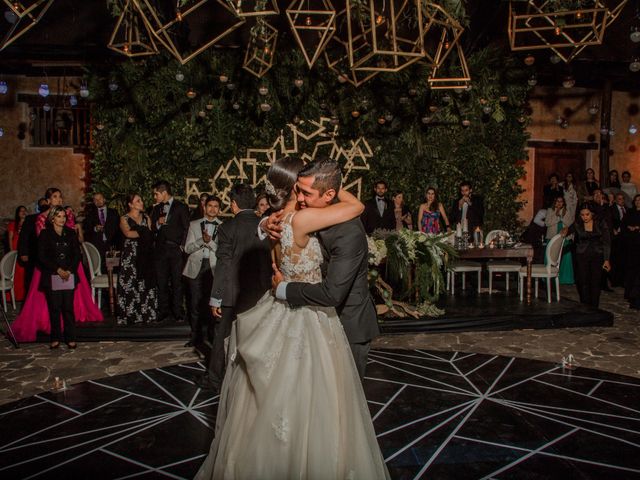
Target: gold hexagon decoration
{"points": [[27, 14], [189, 27], [258, 58], [131, 35], [313, 23]]}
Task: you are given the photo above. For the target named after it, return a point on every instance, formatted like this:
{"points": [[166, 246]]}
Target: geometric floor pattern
{"points": [[438, 415]]}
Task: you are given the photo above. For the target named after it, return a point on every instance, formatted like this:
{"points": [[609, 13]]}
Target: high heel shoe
{"points": [[54, 345], [72, 345]]}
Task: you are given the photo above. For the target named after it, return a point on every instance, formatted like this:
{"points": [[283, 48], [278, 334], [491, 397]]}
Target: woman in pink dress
{"points": [[34, 316]]}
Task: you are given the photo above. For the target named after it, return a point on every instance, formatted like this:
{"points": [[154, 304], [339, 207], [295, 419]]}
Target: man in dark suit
{"points": [[344, 271], [378, 212], [170, 222], [618, 212], [101, 226], [28, 243], [242, 273], [467, 207]]}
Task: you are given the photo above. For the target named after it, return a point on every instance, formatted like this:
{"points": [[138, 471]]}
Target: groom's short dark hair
{"points": [[326, 172], [243, 195]]}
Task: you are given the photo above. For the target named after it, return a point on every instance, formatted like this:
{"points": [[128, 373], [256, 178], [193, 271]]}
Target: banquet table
{"points": [[517, 251]]}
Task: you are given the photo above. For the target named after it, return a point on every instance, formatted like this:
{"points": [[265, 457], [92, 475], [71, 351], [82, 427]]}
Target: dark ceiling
{"points": [[76, 32]]}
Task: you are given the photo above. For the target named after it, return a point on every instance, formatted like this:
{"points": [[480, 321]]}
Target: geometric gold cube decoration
{"points": [[258, 58], [457, 76], [26, 14], [313, 23], [253, 8], [384, 35], [131, 35], [189, 27], [441, 32]]}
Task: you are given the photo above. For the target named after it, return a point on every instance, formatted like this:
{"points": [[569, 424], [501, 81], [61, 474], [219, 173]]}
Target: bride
{"points": [[292, 404]]}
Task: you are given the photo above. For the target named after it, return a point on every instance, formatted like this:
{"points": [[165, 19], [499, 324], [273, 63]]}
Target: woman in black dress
{"points": [[593, 248], [614, 180], [59, 256], [631, 227], [137, 295]]}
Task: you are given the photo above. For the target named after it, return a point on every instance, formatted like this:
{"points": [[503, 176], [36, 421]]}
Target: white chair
{"points": [[7, 272], [463, 266], [99, 280], [553, 255], [500, 266]]}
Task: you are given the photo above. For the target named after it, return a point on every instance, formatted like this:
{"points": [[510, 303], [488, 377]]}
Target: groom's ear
{"points": [[329, 195]]}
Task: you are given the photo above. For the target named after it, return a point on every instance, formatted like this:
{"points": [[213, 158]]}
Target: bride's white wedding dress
{"points": [[292, 405]]}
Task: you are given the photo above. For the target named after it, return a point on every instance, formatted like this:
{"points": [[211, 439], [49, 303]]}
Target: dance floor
{"points": [[443, 415]]}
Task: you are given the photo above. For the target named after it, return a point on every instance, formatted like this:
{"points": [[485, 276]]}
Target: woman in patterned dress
{"points": [[137, 295], [431, 214]]}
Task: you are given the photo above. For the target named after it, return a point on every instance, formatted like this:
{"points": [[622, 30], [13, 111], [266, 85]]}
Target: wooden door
{"points": [[556, 160]]}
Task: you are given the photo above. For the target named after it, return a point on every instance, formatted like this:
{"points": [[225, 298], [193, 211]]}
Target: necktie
{"points": [[381, 205], [101, 216]]}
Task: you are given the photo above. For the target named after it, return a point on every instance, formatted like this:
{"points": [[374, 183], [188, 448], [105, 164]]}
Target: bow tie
{"points": [[380, 199], [207, 222]]}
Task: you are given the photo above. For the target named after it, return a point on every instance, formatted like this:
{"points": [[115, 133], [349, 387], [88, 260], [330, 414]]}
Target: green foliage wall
{"points": [[417, 148]]}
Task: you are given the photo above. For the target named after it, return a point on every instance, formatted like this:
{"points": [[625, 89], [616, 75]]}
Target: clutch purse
{"points": [[57, 284]]}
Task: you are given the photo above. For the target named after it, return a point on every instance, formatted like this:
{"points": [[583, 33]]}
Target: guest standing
{"points": [[614, 181], [631, 224], [201, 247], [34, 315], [198, 212], [593, 248], [59, 257], [629, 188], [618, 241], [570, 193], [101, 226], [262, 204], [468, 208], [28, 243], [170, 221], [431, 214], [401, 212], [137, 295], [586, 188], [552, 190], [13, 230], [378, 212], [557, 218]]}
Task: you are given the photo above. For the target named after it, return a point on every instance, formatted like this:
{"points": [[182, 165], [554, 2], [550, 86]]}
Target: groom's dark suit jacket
{"points": [[344, 285], [243, 268]]}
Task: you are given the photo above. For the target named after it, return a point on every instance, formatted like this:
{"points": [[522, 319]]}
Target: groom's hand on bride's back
{"points": [[271, 225], [276, 278]]}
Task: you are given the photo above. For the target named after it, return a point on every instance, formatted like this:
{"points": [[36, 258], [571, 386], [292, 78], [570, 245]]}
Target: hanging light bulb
{"points": [[298, 82], [379, 20], [43, 91], [202, 114], [568, 82], [99, 126], [555, 59], [223, 78], [1, 132], [113, 86], [125, 49], [46, 107], [533, 81], [73, 100], [593, 109], [236, 106], [265, 107], [635, 34], [179, 76], [612, 132], [634, 66], [425, 119], [308, 21], [191, 93], [633, 129], [355, 114], [263, 90], [4, 88], [179, 16], [84, 90], [557, 30], [381, 120], [466, 123], [529, 60], [487, 109], [559, 120]]}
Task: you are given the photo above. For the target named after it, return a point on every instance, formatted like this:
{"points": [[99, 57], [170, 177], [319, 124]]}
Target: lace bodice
{"points": [[302, 266]]}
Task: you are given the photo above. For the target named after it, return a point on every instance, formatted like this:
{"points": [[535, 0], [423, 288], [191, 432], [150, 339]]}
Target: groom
{"points": [[344, 271]]}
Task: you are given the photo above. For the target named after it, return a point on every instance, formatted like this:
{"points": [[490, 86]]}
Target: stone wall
{"points": [[27, 172]]}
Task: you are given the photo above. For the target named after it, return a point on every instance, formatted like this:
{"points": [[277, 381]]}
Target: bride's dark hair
{"points": [[281, 178]]}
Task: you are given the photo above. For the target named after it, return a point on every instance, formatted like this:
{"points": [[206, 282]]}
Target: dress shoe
{"points": [[54, 345], [72, 345]]}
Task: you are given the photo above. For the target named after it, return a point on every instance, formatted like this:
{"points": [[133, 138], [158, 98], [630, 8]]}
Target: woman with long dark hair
{"points": [[631, 227], [614, 180], [401, 212], [59, 258], [13, 231], [431, 214], [34, 315], [586, 188], [593, 249]]}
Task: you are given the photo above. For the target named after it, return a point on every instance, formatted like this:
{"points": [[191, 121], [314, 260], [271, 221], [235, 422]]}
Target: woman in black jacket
{"points": [[631, 228], [593, 248], [59, 256]]}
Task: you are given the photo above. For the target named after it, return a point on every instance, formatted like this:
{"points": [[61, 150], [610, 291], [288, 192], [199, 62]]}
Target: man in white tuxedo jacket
{"points": [[201, 246]]}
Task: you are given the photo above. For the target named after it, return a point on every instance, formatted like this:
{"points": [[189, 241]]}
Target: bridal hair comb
{"points": [[269, 188]]}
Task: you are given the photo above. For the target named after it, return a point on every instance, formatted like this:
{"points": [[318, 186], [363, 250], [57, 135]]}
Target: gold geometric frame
{"points": [[261, 49], [437, 82], [384, 43], [242, 8], [441, 32], [312, 37], [161, 29], [131, 35], [536, 28], [27, 17]]}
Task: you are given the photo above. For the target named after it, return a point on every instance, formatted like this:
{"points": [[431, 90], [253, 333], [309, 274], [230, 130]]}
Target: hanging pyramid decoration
{"points": [[569, 53], [313, 23], [458, 75], [253, 8], [186, 28], [261, 49], [337, 54], [21, 17], [392, 33], [131, 35], [538, 24], [441, 32]]}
